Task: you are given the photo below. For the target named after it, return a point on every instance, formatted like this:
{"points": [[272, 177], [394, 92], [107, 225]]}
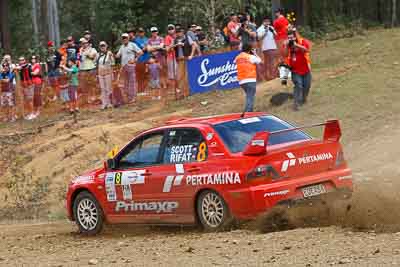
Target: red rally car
{"points": [[210, 170]]}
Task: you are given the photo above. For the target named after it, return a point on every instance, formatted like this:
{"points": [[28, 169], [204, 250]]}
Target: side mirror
{"points": [[257, 145], [111, 164]]}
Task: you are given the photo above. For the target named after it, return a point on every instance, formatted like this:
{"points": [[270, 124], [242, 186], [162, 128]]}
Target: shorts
{"points": [[53, 73], [37, 96], [28, 92], [73, 92], [154, 84], [64, 94], [53, 79], [172, 69], [7, 99]]}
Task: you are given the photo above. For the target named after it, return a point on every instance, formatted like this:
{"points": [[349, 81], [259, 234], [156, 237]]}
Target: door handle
{"points": [[194, 169]]}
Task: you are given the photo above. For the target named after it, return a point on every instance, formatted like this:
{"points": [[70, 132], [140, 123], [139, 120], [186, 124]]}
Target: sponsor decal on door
{"points": [[125, 179]]}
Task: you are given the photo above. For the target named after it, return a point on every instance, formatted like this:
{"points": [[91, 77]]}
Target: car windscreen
{"points": [[238, 133]]}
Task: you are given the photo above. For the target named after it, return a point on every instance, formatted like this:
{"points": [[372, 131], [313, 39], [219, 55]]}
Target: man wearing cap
{"points": [[105, 62], [172, 65], [88, 36], [141, 42], [298, 58], [87, 70], [7, 60], [192, 42], [132, 35], [53, 61], [202, 39], [155, 45], [128, 52]]}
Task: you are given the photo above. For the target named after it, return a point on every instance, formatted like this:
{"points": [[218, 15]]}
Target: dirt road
{"points": [[58, 245]]}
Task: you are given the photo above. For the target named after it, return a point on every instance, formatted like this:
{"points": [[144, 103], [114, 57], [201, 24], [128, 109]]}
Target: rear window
{"points": [[237, 134]]}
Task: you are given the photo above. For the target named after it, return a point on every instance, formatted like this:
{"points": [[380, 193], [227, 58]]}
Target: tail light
{"points": [[339, 158], [262, 173]]}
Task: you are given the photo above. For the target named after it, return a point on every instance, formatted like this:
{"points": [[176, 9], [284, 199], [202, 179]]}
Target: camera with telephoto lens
{"points": [[291, 43]]}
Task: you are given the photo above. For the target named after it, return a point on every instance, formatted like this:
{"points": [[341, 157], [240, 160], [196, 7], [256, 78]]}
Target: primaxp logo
{"points": [[292, 161], [155, 206]]}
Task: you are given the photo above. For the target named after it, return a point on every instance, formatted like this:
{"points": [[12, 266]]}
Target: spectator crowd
{"points": [[83, 73]]}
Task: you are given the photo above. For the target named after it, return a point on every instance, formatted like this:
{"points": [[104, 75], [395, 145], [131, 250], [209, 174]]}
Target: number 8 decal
{"points": [[118, 177], [202, 154]]}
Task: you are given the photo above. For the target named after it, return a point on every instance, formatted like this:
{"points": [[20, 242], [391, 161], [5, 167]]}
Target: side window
{"points": [[184, 145], [144, 152]]}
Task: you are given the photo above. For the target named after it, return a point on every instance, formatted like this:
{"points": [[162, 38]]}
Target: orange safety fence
{"points": [[171, 86]]}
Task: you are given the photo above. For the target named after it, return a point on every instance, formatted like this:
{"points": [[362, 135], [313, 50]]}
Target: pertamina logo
{"points": [[292, 161]]}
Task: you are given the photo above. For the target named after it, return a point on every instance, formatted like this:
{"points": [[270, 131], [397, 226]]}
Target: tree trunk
{"points": [[5, 26], [53, 21], [35, 23], [44, 23], [394, 13], [212, 15]]}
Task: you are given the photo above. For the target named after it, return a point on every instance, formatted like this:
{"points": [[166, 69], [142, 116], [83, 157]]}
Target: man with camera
{"points": [[298, 58], [247, 32], [266, 33]]}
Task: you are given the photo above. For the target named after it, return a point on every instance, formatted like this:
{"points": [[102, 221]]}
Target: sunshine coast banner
{"points": [[212, 72]]}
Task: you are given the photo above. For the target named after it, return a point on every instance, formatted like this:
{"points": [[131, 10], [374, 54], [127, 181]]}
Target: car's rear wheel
{"points": [[88, 214], [213, 212]]}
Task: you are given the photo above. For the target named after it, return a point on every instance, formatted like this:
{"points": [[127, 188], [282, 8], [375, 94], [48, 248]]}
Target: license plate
{"points": [[313, 190]]}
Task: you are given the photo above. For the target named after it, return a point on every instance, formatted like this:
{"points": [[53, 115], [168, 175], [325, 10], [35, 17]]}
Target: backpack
{"points": [[187, 48]]}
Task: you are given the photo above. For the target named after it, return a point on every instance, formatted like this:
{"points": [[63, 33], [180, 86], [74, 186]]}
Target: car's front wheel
{"points": [[213, 212], [88, 214]]}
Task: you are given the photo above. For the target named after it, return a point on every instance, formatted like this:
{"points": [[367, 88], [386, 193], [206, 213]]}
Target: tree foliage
{"points": [[108, 18]]}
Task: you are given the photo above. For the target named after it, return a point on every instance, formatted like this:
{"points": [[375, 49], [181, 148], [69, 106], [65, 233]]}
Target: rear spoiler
{"points": [[332, 131], [258, 144]]}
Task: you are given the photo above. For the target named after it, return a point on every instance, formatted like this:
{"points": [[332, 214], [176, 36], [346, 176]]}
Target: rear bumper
{"points": [[340, 194], [261, 198]]}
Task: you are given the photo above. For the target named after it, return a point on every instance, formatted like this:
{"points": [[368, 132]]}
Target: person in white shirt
{"points": [[129, 52], [105, 62], [266, 33]]}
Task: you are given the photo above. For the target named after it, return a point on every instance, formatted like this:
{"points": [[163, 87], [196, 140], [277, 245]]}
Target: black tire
{"points": [[88, 214], [213, 216]]}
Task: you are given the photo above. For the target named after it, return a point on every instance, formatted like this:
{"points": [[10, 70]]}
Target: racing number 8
{"points": [[118, 177], [201, 155]]}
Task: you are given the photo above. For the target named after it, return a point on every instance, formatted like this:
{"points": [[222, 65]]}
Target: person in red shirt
{"points": [[25, 77], [37, 82], [281, 27], [233, 31], [298, 51]]}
